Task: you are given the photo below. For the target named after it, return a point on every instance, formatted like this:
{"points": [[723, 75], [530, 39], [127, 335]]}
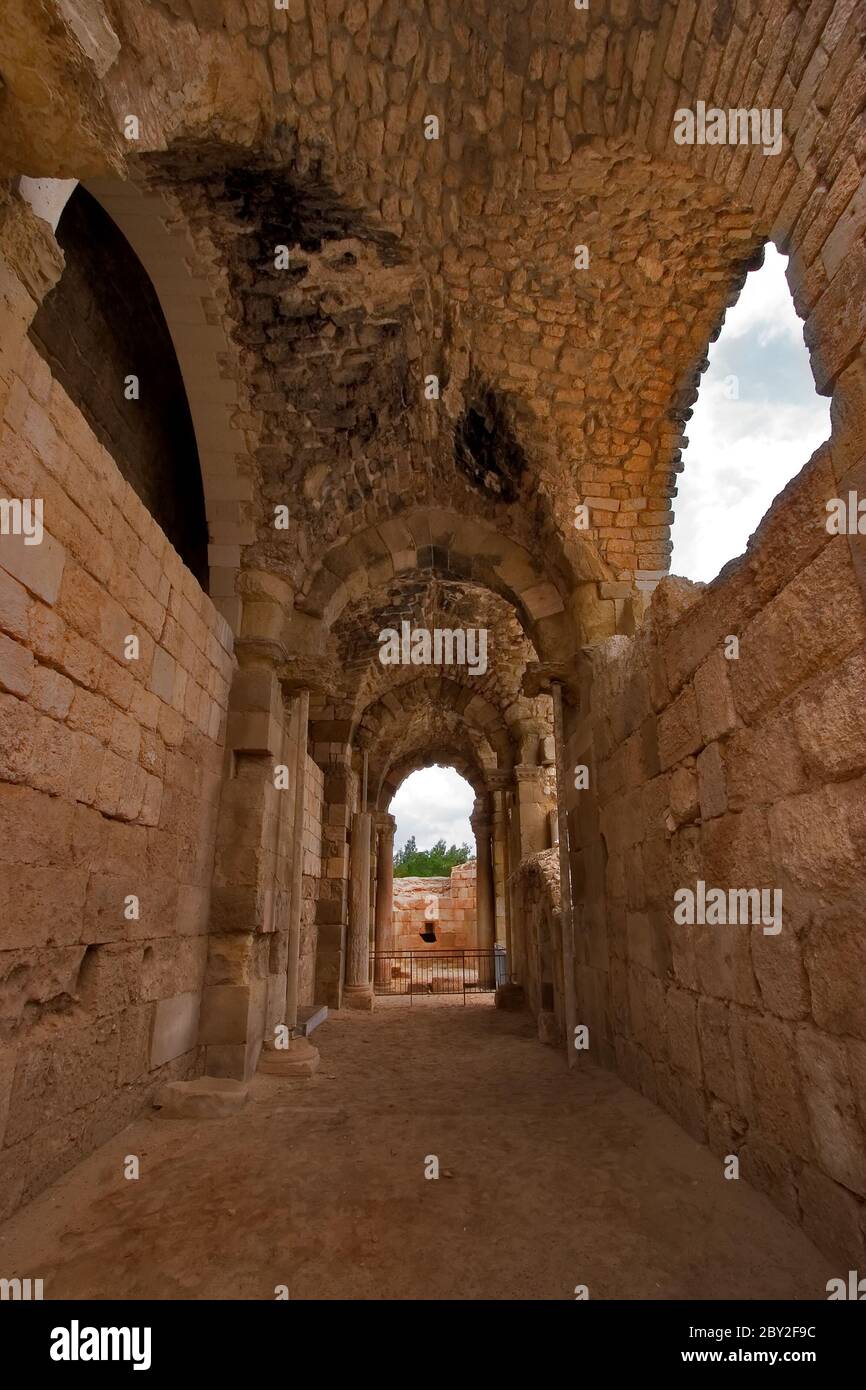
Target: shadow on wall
{"points": [[103, 334]]}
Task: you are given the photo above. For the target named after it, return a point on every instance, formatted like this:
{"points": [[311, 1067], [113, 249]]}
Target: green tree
{"points": [[412, 862]]}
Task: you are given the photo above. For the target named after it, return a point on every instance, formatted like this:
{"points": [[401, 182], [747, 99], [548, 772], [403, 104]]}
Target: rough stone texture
{"points": [[209, 1098], [446, 903], [111, 773], [746, 1033], [305, 373]]}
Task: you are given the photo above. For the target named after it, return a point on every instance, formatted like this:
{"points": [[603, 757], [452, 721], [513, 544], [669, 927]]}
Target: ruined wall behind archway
{"points": [[454, 918]]}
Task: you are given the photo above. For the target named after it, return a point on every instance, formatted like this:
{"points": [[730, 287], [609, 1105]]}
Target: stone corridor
{"points": [[548, 1179], [347, 355]]}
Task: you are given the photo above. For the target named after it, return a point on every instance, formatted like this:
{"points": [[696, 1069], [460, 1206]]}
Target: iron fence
{"points": [[412, 973]]}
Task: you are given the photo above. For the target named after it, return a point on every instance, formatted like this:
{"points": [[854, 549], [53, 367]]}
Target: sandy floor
{"points": [[549, 1180]]}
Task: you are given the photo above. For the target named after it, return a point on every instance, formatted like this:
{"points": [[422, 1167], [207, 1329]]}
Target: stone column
{"points": [[532, 809], [332, 903], [385, 826], [294, 1055], [485, 902], [358, 993], [248, 902], [567, 910], [502, 866]]}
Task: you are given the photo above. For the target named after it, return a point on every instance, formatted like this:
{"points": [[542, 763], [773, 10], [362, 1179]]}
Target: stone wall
{"points": [[746, 773], [109, 786], [453, 902]]}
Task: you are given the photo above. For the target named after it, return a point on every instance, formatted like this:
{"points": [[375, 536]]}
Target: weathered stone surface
{"points": [[831, 1215], [679, 729], [836, 1132], [208, 1098], [175, 1027], [299, 1060], [781, 1113], [716, 711], [712, 790], [430, 387], [834, 958]]}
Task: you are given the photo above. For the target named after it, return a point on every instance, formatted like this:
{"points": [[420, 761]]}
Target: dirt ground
{"points": [[547, 1180]]}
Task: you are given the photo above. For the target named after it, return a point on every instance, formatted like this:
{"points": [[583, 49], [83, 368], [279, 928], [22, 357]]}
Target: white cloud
{"points": [[434, 804], [765, 307], [743, 451]]}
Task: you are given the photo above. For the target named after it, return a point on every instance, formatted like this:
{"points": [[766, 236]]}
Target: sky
{"points": [[742, 452], [747, 439], [434, 804]]}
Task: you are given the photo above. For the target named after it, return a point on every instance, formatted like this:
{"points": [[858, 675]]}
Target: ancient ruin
{"points": [[329, 319]]}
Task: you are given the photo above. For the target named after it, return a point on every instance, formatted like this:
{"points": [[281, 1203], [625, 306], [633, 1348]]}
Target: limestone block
{"points": [[225, 1012], [175, 1027], [764, 763], [837, 325], [793, 532], [135, 1030], [683, 1100], [770, 1169], [780, 972], [173, 965], [679, 730], [837, 1133], [684, 799], [682, 1032], [818, 839], [735, 851], [781, 1109], [723, 961], [42, 905], [46, 1076], [835, 959], [16, 667], [816, 619], [711, 782], [14, 606], [716, 712], [716, 1053], [831, 1216], [18, 725], [38, 567], [828, 719]]}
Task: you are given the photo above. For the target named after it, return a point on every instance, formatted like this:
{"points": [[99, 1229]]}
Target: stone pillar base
{"points": [[358, 997], [206, 1098], [509, 996], [299, 1059]]}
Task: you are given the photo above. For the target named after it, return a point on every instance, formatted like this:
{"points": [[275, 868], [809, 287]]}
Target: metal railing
{"points": [[412, 973]]}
